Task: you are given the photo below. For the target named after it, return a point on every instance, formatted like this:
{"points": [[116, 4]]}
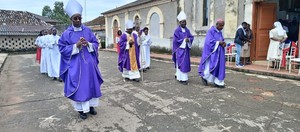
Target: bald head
{"points": [[220, 24], [220, 20]]}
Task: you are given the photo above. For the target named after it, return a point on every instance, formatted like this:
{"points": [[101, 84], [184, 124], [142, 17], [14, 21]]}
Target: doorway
{"points": [[264, 15]]}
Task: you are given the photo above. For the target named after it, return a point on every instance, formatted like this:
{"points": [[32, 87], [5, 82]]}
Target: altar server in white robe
{"points": [[54, 55], [42, 44], [146, 48], [47, 49]]}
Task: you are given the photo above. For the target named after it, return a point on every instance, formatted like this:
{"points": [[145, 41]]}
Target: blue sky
{"points": [[94, 8]]}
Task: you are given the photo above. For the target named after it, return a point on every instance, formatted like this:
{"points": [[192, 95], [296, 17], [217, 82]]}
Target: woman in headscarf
{"points": [[277, 37]]}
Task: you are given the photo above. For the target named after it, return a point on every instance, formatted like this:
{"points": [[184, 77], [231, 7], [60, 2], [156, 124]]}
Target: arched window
{"points": [[115, 30], [137, 21], [205, 12], [155, 25], [115, 24]]}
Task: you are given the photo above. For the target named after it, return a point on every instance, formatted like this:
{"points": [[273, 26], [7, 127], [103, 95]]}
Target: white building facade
{"points": [[160, 17]]}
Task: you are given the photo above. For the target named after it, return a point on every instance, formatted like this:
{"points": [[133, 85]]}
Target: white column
{"points": [[212, 13], [231, 18], [248, 11]]}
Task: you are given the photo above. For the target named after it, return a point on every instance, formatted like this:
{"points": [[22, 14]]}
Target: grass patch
{"points": [[161, 50], [196, 51]]}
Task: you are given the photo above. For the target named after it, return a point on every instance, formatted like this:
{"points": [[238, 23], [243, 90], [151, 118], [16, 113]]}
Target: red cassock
{"points": [[38, 54]]}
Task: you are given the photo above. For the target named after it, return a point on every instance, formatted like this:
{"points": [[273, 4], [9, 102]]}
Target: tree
{"points": [[57, 13], [47, 12]]}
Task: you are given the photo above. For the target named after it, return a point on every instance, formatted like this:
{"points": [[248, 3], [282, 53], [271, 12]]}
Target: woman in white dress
{"points": [[277, 37]]}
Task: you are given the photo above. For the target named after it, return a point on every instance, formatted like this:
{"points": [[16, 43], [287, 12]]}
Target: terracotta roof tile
{"points": [[21, 23], [97, 21]]}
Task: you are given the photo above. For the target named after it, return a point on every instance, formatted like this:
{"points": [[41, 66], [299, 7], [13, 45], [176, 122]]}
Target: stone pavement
{"points": [[3, 57], [256, 68], [33, 102]]}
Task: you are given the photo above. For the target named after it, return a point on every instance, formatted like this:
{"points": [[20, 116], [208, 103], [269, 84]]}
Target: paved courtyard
{"points": [[30, 101]]}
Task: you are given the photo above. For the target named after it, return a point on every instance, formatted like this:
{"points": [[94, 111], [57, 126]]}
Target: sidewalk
{"points": [[256, 68], [3, 57]]}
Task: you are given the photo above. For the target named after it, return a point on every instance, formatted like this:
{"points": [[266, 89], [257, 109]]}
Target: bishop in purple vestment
{"points": [[79, 63], [128, 61], [212, 64], [182, 43]]}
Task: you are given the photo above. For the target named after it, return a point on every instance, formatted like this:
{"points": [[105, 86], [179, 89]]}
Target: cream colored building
{"points": [[160, 17]]}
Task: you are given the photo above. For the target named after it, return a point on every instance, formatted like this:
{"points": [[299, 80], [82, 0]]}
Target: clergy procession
{"points": [[48, 55], [150, 65], [72, 57]]}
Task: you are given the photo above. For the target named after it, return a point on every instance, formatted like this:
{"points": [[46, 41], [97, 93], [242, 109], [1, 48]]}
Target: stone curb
{"points": [[3, 62], [265, 73]]}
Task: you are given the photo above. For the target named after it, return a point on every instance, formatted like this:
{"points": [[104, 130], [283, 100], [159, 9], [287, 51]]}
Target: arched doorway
{"points": [[154, 25], [115, 30], [137, 20]]}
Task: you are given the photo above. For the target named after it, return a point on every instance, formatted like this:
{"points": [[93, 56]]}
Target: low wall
{"points": [[17, 43]]}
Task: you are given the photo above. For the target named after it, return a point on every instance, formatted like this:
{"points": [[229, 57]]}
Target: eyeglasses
{"points": [[77, 18]]}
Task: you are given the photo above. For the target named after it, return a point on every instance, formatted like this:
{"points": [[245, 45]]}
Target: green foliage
{"points": [[46, 11], [57, 13], [160, 50], [195, 51]]}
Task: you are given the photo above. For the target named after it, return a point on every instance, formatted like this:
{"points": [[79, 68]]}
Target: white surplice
{"points": [[48, 45], [44, 52], [54, 57], [146, 50]]}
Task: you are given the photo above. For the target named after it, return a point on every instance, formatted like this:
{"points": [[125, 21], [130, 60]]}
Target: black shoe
{"points": [[219, 86], [92, 111], [60, 80], [175, 77], [54, 78], [126, 79], [184, 82], [204, 81], [136, 80], [82, 115], [148, 68]]}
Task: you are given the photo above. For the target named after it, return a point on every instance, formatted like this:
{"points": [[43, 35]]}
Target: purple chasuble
{"points": [[216, 59], [79, 72], [124, 59], [182, 55]]}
